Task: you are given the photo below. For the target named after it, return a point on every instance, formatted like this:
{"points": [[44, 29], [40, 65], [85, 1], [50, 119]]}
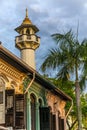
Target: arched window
{"points": [[33, 112]]}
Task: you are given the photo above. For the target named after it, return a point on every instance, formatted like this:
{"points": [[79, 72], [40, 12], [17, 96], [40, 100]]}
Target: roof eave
{"points": [[26, 25]]}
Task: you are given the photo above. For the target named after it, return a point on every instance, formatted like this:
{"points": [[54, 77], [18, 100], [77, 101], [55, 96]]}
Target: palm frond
{"points": [[63, 74], [70, 53], [52, 59], [64, 39]]}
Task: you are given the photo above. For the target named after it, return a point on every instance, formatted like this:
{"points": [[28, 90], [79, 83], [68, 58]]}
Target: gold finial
{"points": [[26, 13], [26, 19]]}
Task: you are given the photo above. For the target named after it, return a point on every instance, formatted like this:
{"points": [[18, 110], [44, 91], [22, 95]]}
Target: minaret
{"points": [[27, 41]]}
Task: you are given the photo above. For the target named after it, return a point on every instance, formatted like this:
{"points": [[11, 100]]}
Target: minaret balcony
{"points": [[28, 38]]}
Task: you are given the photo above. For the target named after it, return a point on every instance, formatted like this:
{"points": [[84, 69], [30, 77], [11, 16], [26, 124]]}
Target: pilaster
{"points": [[37, 116], [28, 112]]}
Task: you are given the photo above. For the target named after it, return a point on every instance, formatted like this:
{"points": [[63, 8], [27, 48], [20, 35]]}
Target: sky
{"points": [[50, 16]]}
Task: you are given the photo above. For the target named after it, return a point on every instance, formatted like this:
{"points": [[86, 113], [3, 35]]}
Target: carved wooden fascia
{"points": [[10, 71], [14, 76]]}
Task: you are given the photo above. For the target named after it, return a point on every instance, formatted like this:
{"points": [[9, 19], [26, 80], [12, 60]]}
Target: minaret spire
{"points": [[26, 13]]}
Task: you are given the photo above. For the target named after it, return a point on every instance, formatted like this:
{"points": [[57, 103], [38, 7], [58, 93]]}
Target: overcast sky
{"points": [[50, 16]]}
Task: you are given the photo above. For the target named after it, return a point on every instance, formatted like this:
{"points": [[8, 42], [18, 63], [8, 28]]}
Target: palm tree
{"points": [[70, 57]]}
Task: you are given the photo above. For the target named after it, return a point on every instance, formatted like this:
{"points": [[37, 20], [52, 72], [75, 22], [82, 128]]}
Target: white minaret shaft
{"points": [[27, 42], [28, 56]]}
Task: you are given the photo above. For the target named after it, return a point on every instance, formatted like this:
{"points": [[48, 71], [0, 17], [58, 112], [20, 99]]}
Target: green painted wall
{"points": [[40, 93]]}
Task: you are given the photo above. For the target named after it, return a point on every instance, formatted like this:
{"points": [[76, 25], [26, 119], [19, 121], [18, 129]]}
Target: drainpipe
{"points": [[30, 84], [69, 109]]}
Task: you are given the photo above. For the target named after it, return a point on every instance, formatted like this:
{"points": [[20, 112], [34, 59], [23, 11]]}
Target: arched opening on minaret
{"points": [[28, 31]]}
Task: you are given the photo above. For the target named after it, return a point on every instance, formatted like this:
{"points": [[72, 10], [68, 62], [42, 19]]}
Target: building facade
{"points": [[27, 100]]}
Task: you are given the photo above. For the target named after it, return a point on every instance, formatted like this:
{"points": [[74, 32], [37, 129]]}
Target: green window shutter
{"points": [[45, 118]]}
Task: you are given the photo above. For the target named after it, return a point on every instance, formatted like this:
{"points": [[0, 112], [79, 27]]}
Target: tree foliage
{"points": [[70, 59], [68, 87]]}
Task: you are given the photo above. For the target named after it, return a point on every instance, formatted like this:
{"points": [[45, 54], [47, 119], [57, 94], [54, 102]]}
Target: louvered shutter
{"points": [[19, 108], [9, 104]]}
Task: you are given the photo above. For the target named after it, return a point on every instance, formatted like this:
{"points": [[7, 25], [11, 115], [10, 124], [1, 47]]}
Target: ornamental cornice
{"points": [[10, 71]]}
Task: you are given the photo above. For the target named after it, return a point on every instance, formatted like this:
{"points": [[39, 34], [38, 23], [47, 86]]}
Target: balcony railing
{"points": [[29, 38]]}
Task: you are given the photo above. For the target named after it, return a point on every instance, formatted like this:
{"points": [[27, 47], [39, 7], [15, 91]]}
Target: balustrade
{"points": [[27, 38]]}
